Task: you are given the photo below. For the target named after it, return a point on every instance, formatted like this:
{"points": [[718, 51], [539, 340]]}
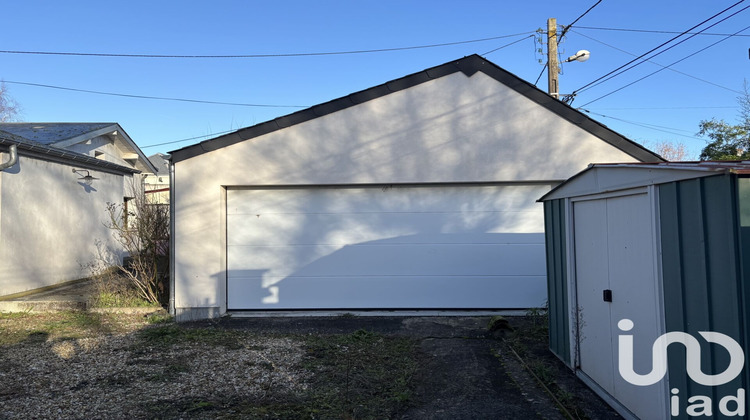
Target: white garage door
{"points": [[457, 247]]}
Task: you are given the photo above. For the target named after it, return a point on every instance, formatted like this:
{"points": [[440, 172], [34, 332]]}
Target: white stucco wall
{"points": [[49, 223], [452, 129]]}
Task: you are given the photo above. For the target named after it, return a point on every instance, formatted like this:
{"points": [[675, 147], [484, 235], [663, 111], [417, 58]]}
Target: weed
{"points": [[172, 334], [543, 372], [361, 375], [200, 405], [498, 322], [159, 318]]}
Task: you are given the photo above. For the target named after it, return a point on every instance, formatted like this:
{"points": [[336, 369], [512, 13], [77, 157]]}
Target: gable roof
{"points": [[51, 133], [42, 151], [468, 66], [64, 135], [160, 162]]}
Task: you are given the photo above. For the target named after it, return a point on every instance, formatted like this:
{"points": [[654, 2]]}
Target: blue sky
{"points": [[674, 102]]}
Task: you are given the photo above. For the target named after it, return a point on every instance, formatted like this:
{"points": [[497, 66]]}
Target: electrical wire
{"points": [[541, 73], [669, 48], [311, 54], [188, 139], [661, 65], [654, 31], [508, 45], [665, 67], [125, 95], [566, 28], [652, 50], [668, 130], [668, 108]]}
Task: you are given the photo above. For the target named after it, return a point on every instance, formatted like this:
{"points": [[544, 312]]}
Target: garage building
{"points": [[417, 194]]}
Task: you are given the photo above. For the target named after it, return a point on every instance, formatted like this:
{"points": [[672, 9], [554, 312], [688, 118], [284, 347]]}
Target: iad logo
{"points": [[700, 405]]}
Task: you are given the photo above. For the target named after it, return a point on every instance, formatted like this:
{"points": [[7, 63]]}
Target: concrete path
{"points": [[67, 297]]}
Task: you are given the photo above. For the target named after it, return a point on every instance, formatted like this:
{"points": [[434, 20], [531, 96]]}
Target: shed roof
{"points": [[608, 177], [468, 66]]}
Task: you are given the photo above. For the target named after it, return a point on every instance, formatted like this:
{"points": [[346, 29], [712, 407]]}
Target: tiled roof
{"points": [[42, 151], [50, 133]]}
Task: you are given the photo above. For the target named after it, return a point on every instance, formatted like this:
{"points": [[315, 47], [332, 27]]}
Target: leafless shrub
{"points": [[142, 229]]}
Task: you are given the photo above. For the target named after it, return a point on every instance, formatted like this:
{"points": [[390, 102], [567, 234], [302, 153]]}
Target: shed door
{"points": [[614, 250], [384, 248]]}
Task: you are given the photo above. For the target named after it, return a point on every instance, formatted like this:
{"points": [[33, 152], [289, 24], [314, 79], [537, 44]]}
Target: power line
{"points": [[668, 130], [655, 31], [652, 50], [667, 108], [669, 48], [541, 73], [566, 28], [311, 54], [125, 95], [664, 68], [660, 65], [508, 45], [188, 139]]}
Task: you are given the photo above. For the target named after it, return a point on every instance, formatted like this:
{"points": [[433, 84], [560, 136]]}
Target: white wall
{"points": [[452, 129], [49, 223]]}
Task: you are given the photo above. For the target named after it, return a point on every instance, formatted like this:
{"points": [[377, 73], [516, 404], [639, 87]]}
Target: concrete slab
{"points": [[71, 296]]}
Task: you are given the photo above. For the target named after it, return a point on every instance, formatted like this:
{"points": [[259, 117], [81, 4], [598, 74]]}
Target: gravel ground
{"points": [[115, 366], [119, 377]]}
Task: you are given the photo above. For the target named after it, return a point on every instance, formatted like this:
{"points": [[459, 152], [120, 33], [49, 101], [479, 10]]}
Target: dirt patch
{"points": [[75, 365], [529, 341]]}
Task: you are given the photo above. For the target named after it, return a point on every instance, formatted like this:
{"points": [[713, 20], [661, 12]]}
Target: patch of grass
{"points": [[172, 334], [120, 300], [361, 375], [159, 318]]}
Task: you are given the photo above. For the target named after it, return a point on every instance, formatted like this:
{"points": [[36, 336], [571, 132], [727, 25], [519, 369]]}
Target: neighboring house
{"points": [[157, 184], [417, 194], [55, 183]]}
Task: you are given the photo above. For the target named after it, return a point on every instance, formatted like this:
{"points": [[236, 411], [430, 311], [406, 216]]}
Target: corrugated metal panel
{"points": [[701, 275], [557, 290]]}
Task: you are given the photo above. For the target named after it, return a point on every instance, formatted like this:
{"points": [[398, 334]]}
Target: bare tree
{"points": [[142, 229], [9, 108], [671, 151]]}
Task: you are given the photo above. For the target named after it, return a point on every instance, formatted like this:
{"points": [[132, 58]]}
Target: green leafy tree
{"points": [[728, 142]]}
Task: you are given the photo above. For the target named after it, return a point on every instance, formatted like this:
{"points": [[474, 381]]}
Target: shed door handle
{"points": [[607, 295]]}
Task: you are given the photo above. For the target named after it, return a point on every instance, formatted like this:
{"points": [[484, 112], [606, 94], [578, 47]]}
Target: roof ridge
{"points": [[468, 65]]}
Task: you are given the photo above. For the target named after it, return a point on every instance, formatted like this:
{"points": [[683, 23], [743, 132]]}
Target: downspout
{"points": [[13, 158], [172, 309]]}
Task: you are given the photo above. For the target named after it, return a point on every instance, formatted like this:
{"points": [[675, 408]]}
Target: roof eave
{"points": [[54, 154], [469, 66]]}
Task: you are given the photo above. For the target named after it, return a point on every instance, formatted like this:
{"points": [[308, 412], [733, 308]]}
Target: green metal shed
{"points": [[636, 251]]}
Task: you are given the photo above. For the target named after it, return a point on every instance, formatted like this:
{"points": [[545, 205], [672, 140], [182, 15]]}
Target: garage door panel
{"points": [[390, 199], [284, 229], [352, 245], [387, 292], [392, 259]]}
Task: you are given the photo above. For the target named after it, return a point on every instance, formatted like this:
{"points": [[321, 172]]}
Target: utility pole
{"points": [[552, 65]]}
